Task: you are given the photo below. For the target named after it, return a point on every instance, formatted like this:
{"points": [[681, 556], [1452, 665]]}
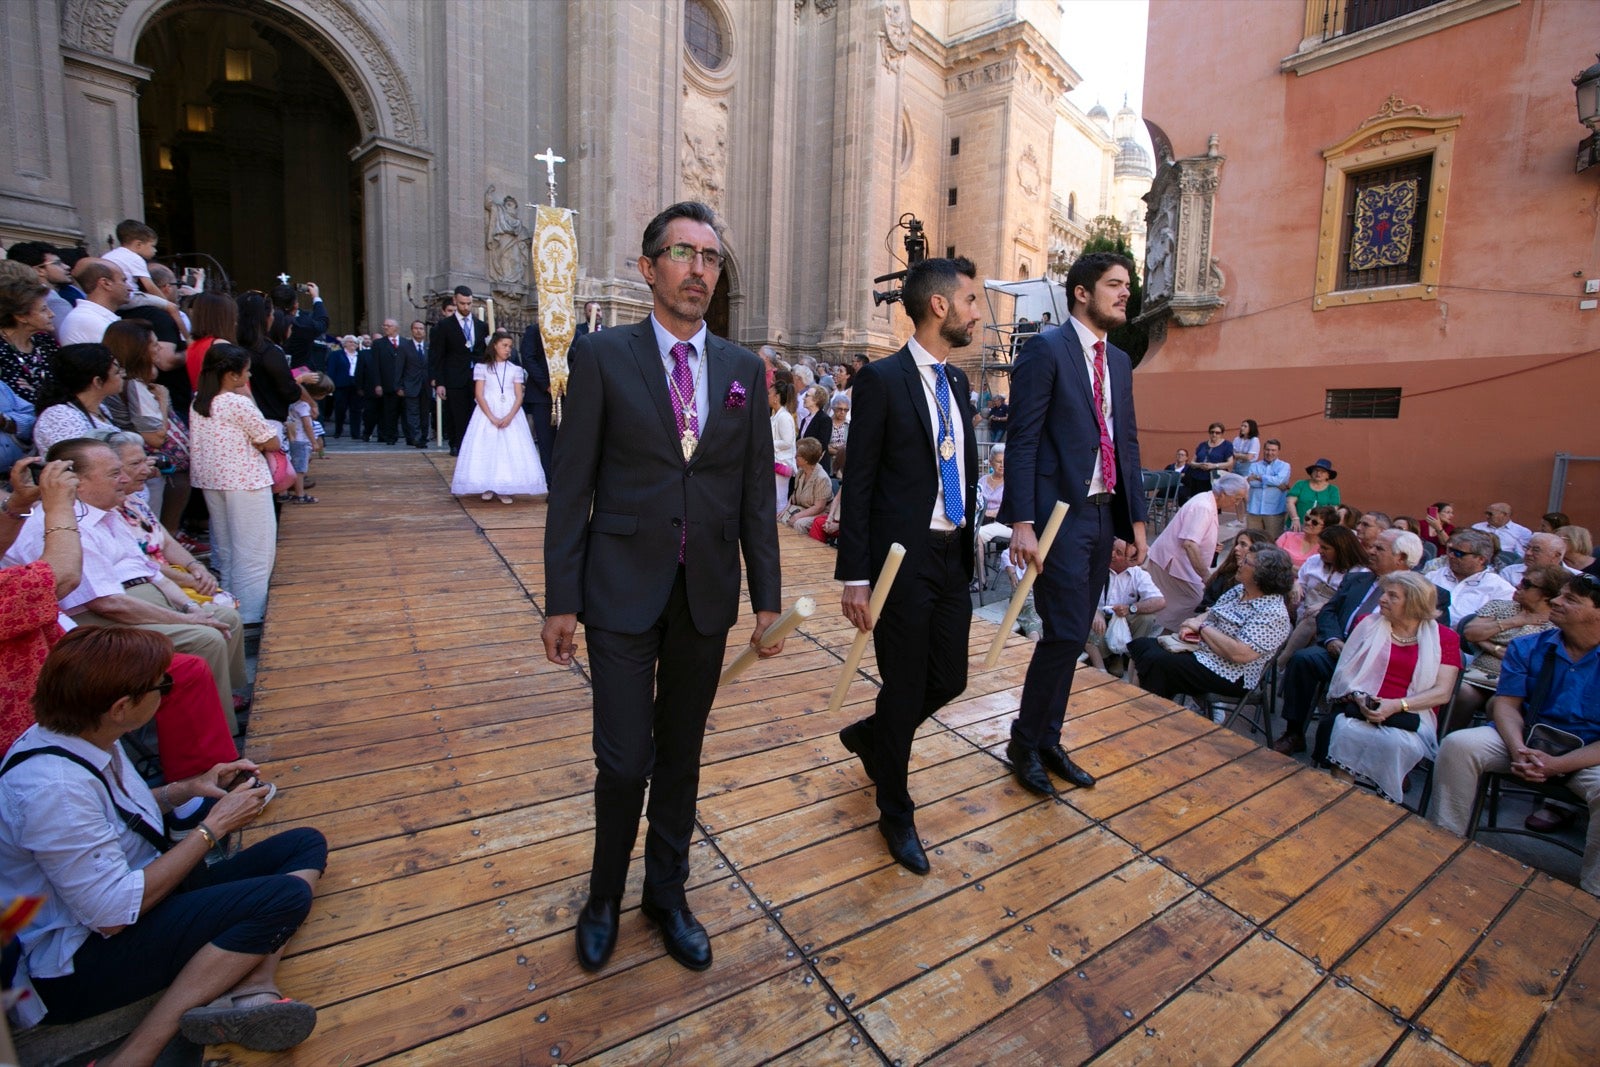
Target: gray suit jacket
{"points": [[620, 492], [413, 368]]}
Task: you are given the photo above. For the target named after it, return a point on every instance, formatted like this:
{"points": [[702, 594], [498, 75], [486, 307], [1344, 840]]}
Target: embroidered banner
{"points": [[1385, 222], [555, 268]]}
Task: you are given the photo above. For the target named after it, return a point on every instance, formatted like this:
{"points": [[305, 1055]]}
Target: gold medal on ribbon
{"points": [[688, 441], [947, 448]]}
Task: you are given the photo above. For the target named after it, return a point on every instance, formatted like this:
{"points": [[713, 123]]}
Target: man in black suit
{"points": [[383, 399], [663, 472], [457, 344], [366, 383], [1310, 668], [305, 327], [536, 395], [913, 479], [591, 310], [1073, 437], [414, 384]]}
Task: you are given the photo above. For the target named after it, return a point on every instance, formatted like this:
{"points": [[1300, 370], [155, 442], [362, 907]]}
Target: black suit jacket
{"points": [[820, 429], [531, 355], [366, 376], [450, 358], [413, 368], [892, 476], [620, 492], [386, 364], [1053, 437]]}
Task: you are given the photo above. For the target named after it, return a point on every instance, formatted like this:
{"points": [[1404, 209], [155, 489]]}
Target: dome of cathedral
{"points": [[1132, 160], [1099, 114]]}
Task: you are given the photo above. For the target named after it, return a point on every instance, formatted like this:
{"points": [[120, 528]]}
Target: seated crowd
{"points": [[115, 405]]}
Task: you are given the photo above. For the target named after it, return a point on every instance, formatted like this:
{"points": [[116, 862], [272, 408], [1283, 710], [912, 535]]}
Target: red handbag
{"points": [[282, 471]]}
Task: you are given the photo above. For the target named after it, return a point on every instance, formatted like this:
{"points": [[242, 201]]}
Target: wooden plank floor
{"points": [[1208, 902]]}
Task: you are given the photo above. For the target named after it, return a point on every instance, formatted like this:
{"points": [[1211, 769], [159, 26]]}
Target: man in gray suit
{"points": [[662, 474], [414, 385]]}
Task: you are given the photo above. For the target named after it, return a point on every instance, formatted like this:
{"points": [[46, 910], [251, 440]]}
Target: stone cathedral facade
{"points": [[385, 148]]}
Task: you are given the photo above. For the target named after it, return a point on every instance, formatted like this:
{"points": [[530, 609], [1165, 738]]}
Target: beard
{"points": [[688, 304], [1105, 318], [954, 332]]}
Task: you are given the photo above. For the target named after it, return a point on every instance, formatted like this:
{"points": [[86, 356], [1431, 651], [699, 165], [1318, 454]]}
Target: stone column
{"points": [[102, 108], [34, 185], [455, 44], [395, 199]]}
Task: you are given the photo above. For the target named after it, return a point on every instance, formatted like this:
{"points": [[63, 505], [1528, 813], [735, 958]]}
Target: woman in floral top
{"points": [[27, 339], [1233, 642], [227, 436]]}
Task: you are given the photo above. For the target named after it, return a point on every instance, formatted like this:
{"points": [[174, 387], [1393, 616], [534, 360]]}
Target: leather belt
{"points": [[131, 582], [1098, 500], [943, 537]]}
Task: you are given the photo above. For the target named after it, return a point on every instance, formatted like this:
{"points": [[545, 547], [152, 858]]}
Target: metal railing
{"points": [[1336, 18]]}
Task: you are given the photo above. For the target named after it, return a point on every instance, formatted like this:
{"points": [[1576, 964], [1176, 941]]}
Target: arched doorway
{"points": [[246, 144]]}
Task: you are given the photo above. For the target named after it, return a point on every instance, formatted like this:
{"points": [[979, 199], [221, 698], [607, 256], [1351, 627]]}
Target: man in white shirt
{"points": [[1513, 537], [117, 587], [1466, 574], [105, 291], [1129, 595], [1542, 550]]}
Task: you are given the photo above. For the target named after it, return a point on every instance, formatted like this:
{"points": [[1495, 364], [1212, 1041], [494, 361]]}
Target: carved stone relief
{"points": [[1183, 283], [1029, 174], [896, 37], [703, 160]]}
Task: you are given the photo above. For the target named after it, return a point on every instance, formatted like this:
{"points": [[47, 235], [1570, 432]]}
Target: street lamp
{"points": [[1588, 88]]}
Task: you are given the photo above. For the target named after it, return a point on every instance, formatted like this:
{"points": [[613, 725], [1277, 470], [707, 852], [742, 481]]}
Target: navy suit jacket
{"points": [[339, 368], [892, 474], [1053, 438], [1337, 617], [531, 355]]}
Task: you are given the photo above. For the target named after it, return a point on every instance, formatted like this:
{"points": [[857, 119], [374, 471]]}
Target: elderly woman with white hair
{"points": [[1180, 560], [1398, 667]]}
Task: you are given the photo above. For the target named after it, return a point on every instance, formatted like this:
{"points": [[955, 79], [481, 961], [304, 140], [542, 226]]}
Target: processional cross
{"points": [[550, 159]]}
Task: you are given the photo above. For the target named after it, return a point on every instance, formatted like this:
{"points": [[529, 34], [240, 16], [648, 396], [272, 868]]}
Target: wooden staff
{"points": [[880, 593], [786, 624], [438, 420], [1024, 587], [488, 313]]}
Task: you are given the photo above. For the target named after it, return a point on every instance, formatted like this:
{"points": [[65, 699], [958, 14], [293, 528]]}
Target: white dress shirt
{"points": [[1469, 594], [1513, 537], [110, 553], [1128, 588], [925, 363], [1087, 338]]}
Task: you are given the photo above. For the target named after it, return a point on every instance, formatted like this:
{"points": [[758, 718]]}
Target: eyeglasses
{"points": [[685, 253], [164, 686], [1460, 553]]}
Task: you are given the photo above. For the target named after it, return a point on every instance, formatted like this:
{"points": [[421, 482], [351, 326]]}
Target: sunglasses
{"points": [[1460, 553], [164, 686]]}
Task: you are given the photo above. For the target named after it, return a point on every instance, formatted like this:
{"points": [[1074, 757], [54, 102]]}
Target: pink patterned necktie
{"points": [[683, 407], [1108, 451]]}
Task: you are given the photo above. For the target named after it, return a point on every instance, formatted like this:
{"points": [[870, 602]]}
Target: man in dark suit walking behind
{"points": [[1072, 437], [457, 344], [414, 385], [913, 479], [536, 399], [663, 473], [383, 400]]}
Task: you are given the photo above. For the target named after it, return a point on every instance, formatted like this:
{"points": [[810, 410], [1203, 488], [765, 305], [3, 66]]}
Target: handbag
{"points": [[282, 471], [175, 449]]}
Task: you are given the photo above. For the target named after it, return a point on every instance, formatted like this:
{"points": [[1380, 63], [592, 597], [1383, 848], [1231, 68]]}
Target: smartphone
{"points": [[1433, 512], [239, 779]]}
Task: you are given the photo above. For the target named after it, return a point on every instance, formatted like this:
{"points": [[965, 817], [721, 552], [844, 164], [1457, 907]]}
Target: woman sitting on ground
{"points": [[1233, 642], [1305, 541], [70, 403], [1226, 576], [1398, 667], [1497, 624], [127, 913], [813, 489]]}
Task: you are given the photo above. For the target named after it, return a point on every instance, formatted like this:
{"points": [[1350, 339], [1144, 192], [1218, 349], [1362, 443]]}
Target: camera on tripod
{"points": [[916, 243]]}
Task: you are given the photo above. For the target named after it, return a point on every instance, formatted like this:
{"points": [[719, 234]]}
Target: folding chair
{"points": [[1494, 785], [1263, 698]]}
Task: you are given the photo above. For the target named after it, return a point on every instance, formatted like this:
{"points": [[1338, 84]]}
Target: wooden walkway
{"points": [[1208, 902]]}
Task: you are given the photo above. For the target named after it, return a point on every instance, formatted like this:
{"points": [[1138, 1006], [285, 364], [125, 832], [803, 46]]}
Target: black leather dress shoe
{"points": [[686, 940], [1028, 769], [1055, 757], [903, 845], [854, 739], [597, 933]]}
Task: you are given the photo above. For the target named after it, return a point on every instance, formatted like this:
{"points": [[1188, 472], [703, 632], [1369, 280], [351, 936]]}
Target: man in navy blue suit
{"points": [[1072, 437]]}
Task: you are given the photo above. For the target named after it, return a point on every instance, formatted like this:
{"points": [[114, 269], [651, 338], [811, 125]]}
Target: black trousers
{"points": [[414, 422], [347, 407], [544, 433], [1066, 595], [652, 693], [1306, 672], [1167, 673], [921, 641], [383, 413], [458, 405]]}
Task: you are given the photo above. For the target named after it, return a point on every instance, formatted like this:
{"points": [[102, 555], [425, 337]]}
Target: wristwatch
{"points": [[1133, 609]]}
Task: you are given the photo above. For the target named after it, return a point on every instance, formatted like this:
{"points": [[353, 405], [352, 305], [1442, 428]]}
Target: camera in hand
{"points": [[35, 469], [302, 288], [1355, 702]]}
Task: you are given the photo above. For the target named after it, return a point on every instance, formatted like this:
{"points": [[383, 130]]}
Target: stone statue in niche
{"points": [[507, 240], [1161, 246]]}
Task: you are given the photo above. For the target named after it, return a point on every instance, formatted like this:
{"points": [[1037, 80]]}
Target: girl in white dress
{"points": [[497, 454]]}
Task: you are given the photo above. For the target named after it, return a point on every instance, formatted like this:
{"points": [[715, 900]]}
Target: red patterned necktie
{"points": [[1108, 451]]}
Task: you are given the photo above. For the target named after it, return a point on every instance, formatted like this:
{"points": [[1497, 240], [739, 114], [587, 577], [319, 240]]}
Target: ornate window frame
{"points": [[1316, 53], [1399, 131], [718, 81]]}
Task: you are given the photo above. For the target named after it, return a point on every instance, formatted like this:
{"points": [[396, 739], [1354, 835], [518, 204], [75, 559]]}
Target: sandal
{"points": [[302, 500], [270, 1027], [505, 500]]}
